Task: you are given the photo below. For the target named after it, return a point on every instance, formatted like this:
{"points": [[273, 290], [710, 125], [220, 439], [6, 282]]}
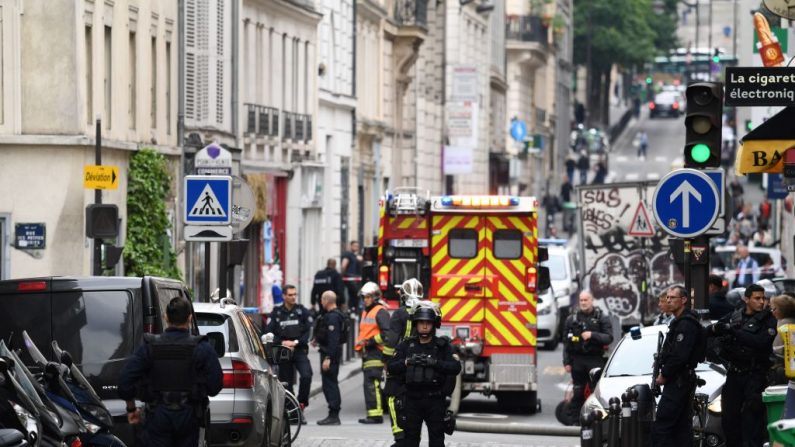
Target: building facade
{"points": [[63, 65]]}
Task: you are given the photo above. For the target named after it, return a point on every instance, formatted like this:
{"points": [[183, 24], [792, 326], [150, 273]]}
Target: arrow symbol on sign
{"points": [[685, 190]]}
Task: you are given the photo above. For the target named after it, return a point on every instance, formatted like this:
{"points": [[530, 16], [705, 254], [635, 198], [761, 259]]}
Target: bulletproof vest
{"points": [[323, 280], [173, 377], [699, 349], [421, 375], [741, 356], [321, 329], [289, 322], [582, 323]]}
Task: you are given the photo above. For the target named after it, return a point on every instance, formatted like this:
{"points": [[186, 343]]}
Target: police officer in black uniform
{"points": [[400, 328], [329, 338], [588, 333], [745, 343], [327, 279], [174, 373], [290, 324], [427, 364], [683, 349]]}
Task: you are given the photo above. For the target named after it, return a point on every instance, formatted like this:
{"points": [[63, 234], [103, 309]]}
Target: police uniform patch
{"points": [[771, 331], [680, 337]]}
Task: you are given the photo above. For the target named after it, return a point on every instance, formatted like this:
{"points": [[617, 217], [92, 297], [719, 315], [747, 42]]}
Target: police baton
{"points": [[626, 414], [586, 429], [613, 414]]}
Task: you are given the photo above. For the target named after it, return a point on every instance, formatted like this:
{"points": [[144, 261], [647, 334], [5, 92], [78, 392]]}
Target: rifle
{"points": [[655, 371]]}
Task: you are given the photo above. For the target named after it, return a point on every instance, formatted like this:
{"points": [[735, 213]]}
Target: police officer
{"points": [[746, 344], [683, 349], [427, 364], [290, 325], [329, 337], [174, 373], [588, 333], [399, 329], [327, 279], [373, 328]]}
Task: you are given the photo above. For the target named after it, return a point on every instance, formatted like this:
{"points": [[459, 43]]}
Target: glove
{"points": [[410, 360], [430, 361]]}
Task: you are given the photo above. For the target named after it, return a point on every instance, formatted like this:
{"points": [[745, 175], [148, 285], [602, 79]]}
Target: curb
{"points": [[353, 372], [516, 428]]}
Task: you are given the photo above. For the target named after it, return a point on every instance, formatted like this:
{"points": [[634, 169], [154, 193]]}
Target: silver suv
{"points": [[250, 409]]}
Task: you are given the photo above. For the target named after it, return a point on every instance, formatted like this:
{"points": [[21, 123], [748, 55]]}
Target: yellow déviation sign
{"points": [[763, 148], [100, 177]]}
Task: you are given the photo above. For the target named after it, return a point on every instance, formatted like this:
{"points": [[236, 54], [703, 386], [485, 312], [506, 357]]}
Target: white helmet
{"points": [[410, 292], [370, 289]]}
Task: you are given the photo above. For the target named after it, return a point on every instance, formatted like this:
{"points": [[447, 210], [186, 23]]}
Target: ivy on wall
{"points": [[148, 249]]}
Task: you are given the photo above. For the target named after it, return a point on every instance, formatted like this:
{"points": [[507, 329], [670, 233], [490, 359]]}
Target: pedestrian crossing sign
{"points": [[207, 199], [641, 224]]}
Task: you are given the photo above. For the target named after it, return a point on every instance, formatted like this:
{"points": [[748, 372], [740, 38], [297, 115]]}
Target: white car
{"points": [[564, 275], [548, 325]]}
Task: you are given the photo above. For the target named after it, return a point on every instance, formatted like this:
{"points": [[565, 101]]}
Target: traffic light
{"points": [[648, 80], [748, 126], [102, 221], [716, 56], [703, 124]]}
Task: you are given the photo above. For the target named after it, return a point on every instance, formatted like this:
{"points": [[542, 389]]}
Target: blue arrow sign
{"points": [[207, 199], [518, 130], [686, 203]]}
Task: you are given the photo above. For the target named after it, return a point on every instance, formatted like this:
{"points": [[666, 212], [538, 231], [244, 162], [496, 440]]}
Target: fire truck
{"points": [[478, 257]]}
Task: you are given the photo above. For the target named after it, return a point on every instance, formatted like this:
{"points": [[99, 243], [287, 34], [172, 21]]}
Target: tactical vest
{"points": [[745, 357], [426, 376], [699, 349], [321, 328], [580, 325], [173, 378]]}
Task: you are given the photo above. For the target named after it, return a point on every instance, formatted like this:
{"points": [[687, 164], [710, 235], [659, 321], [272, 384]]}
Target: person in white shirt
{"points": [[747, 268]]}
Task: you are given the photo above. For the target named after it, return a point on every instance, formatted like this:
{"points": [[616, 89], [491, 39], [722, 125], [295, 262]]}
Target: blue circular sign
{"points": [[518, 130], [686, 203]]}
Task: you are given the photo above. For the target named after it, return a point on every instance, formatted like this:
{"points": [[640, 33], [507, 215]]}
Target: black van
{"points": [[100, 320]]}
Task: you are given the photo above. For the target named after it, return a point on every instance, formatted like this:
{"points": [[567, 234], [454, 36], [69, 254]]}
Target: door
{"points": [[510, 308]]}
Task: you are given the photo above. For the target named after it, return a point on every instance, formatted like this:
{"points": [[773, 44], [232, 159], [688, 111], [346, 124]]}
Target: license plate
{"points": [[409, 243]]}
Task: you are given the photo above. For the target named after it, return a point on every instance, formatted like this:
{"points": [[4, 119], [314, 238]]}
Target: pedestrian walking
{"points": [[588, 333], [643, 144], [290, 325], [684, 348], [745, 338], [584, 165], [330, 334], [571, 164], [174, 374], [427, 363], [351, 270], [400, 328], [327, 279], [601, 174], [373, 328]]}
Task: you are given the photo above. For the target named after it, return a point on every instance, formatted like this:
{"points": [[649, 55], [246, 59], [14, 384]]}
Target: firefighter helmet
{"points": [[370, 289], [427, 311], [410, 292]]}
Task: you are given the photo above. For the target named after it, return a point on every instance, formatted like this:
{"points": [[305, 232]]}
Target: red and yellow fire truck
{"points": [[478, 257]]}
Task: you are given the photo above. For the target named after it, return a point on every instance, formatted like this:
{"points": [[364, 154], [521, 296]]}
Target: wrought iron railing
{"points": [[526, 29], [412, 12]]}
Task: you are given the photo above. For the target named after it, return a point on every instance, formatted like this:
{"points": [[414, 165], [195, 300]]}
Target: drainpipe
{"points": [[235, 69], [181, 125]]}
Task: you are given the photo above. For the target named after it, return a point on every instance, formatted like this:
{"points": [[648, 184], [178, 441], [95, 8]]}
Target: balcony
{"points": [[262, 120], [412, 13], [297, 127], [527, 40]]}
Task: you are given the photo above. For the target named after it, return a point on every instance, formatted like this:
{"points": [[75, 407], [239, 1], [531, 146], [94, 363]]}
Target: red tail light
{"points": [[383, 277], [240, 376], [76, 443], [675, 105], [243, 420], [32, 286], [532, 279], [652, 106]]}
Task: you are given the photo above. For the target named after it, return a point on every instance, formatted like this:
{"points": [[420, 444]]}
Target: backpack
{"points": [[345, 331]]}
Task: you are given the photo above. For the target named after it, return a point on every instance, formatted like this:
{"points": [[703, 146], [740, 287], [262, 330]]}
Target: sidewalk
{"points": [[347, 370]]}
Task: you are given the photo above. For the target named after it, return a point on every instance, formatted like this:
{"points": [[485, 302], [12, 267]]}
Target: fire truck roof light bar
{"points": [[480, 201]]}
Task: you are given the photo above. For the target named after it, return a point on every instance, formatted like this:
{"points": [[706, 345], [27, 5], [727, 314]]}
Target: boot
{"points": [[372, 420], [303, 420], [333, 418]]}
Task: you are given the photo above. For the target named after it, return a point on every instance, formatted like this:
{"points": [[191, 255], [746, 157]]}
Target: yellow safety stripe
{"points": [[378, 398], [378, 339], [388, 351], [393, 415], [375, 413], [407, 332], [373, 364]]}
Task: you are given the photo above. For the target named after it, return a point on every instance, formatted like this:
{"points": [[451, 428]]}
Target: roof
{"points": [[215, 308]]}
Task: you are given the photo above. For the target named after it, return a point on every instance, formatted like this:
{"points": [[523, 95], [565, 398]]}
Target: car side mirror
{"points": [[218, 342], [540, 300], [267, 342], [595, 374], [281, 354], [544, 281]]}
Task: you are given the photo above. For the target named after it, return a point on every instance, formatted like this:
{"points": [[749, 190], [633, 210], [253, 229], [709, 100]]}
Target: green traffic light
{"points": [[648, 79], [700, 153], [716, 59]]}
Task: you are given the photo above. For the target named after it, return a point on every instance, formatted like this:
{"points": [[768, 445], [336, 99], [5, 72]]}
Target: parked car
{"points": [[100, 320], [548, 334], [724, 262], [631, 364], [564, 275], [667, 103], [250, 410]]}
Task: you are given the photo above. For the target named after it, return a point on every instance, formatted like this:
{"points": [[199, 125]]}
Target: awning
{"points": [[762, 149]]}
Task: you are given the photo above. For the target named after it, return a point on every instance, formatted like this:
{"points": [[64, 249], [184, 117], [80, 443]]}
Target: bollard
{"points": [[614, 413], [633, 416], [646, 405], [586, 430], [626, 413], [598, 419]]}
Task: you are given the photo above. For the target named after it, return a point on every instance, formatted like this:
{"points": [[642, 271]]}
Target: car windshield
{"points": [[557, 267], [636, 357]]}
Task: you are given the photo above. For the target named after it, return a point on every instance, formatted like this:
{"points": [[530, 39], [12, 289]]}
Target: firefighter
{"points": [[327, 279], [290, 325], [589, 332], [174, 373], [745, 344], [373, 328], [399, 329], [426, 362], [683, 349]]}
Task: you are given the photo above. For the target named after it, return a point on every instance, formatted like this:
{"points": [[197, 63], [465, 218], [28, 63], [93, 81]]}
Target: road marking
{"points": [[653, 176], [483, 415], [554, 371], [632, 176], [621, 158], [660, 159]]}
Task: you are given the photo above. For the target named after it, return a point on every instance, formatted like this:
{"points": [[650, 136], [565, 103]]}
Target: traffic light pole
{"points": [[688, 276], [97, 267]]}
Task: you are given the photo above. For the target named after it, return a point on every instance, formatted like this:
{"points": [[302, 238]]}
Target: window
{"points": [[133, 80], [168, 88], [89, 75], [108, 84], [507, 244], [462, 243], [251, 330], [210, 322], [153, 83]]}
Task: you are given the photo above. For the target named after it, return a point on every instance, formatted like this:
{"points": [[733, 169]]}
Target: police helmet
{"points": [[410, 291], [427, 311], [370, 289]]}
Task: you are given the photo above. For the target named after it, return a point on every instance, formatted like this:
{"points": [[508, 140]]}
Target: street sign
{"points": [[518, 130], [776, 189], [207, 199], [208, 233], [760, 86], [213, 160], [686, 203], [30, 236], [641, 224], [100, 177]]}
